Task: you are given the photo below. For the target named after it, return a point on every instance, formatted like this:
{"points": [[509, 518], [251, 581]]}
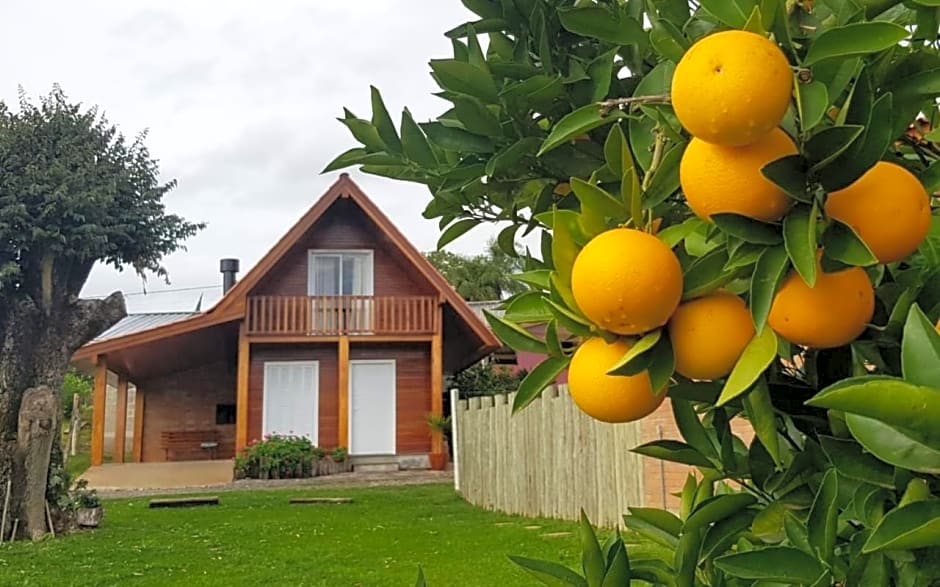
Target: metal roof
{"points": [[138, 322]]}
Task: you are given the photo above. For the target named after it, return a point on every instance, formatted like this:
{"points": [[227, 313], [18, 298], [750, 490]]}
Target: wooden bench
{"points": [[189, 440]]}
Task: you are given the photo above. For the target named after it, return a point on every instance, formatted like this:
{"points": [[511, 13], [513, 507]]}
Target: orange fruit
{"points": [[732, 87], [709, 334], [609, 398], [719, 179], [889, 209], [832, 313], [627, 281]]}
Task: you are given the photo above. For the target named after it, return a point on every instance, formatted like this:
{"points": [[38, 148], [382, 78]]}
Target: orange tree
{"points": [[734, 205]]}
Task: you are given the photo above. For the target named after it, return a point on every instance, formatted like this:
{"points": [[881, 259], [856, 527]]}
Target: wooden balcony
{"points": [[346, 315]]}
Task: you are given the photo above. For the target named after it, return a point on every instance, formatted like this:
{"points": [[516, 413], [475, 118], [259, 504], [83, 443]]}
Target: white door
{"points": [[372, 407], [291, 398]]}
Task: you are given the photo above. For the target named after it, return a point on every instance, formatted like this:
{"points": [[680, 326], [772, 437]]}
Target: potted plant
{"points": [[439, 424], [88, 509]]}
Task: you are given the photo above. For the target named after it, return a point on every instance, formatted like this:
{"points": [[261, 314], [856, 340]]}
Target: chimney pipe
{"points": [[229, 269]]}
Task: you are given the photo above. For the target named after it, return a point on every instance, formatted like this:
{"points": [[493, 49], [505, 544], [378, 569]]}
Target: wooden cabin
{"points": [[343, 332]]}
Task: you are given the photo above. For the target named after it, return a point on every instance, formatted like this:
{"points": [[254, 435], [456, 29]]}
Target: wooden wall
{"points": [[413, 382], [344, 226], [186, 400]]}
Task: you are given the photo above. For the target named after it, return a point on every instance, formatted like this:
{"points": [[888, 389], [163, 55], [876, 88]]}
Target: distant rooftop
{"points": [[138, 322], [491, 306]]}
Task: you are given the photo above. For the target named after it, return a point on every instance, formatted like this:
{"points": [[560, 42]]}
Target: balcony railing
{"points": [[335, 315]]}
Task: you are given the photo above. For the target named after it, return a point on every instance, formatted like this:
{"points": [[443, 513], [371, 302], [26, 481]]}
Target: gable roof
{"points": [[233, 304]]}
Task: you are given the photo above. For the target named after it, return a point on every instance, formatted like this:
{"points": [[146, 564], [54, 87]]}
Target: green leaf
{"points": [[476, 117], [920, 350], [543, 375], [895, 446], [799, 233], [420, 581], [576, 123], [890, 400], [618, 567], [455, 139], [769, 272], [706, 274], [668, 40], [842, 243], [662, 519], [651, 530], [864, 153], [916, 525], [617, 151], [930, 177], [362, 131], [826, 145], [456, 230], [674, 451], [601, 71], [603, 24], [760, 412], [535, 278], [552, 342], [775, 563], [414, 143], [685, 560], [527, 307], [674, 234], [717, 508], [724, 533], [812, 102], [507, 158], [687, 495], [382, 121], [463, 78], [692, 429], [647, 342], [754, 22], [747, 229], [662, 365], [823, 516], [665, 180], [854, 39], [757, 356], [641, 135], [351, 157], [550, 573], [769, 523], [596, 198], [727, 12], [851, 462], [568, 320], [796, 533], [789, 174], [592, 560], [514, 336], [564, 248]]}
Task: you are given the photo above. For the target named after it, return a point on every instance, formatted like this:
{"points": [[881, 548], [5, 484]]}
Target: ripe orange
{"points": [[728, 179], [609, 398], [832, 313], [627, 281], [732, 87], [709, 334], [889, 209]]}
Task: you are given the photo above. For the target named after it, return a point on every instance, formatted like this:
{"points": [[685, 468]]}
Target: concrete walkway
{"points": [[146, 479]]}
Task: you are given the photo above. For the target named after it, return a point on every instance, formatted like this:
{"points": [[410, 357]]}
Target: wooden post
{"points": [[241, 406], [120, 421], [98, 407], [437, 390], [342, 381], [75, 427], [138, 448]]}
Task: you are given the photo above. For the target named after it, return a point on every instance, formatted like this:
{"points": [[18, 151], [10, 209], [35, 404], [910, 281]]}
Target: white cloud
{"points": [[240, 99]]}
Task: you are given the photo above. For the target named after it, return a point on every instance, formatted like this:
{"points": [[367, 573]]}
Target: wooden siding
{"points": [[186, 400], [326, 356], [345, 226], [334, 315], [413, 398]]}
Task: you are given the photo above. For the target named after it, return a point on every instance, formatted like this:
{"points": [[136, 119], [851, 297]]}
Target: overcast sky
{"points": [[241, 100]]}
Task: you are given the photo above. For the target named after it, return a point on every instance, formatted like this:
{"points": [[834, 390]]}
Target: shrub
{"points": [[83, 497], [487, 379], [278, 457]]}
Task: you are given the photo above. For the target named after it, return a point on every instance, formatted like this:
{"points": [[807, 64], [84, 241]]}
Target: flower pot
{"points": [[89, 517], [438, 460]]}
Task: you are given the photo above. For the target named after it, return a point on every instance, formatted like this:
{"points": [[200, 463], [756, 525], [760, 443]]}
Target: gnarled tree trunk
{"points": [[36, 345]]}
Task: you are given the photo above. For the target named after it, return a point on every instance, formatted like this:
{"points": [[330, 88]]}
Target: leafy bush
{"points": [[487, 379], [278, 457], [75, 382], [83, 497]]}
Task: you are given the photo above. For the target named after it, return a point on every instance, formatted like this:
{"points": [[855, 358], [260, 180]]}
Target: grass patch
{"points": [[82, 459], [257, 538]]}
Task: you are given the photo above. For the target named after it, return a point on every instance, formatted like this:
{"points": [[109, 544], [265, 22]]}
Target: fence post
{"points": [[454, 409]]}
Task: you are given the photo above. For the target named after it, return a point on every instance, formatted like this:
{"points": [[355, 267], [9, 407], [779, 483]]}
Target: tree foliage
{"points": [[562, 127], [477, 278]]}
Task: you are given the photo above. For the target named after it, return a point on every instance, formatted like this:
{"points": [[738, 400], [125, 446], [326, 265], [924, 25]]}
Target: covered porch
{"points": [[159, 476]]}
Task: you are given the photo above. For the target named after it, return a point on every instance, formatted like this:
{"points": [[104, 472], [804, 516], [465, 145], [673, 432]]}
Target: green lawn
{"points": [[256, 538]]}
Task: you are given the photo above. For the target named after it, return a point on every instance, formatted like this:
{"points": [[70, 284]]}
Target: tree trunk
{"points": [[36, 345]]}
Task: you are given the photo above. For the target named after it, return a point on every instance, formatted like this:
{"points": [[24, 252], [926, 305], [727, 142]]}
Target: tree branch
{"points": [[89, 318], [607, 105]]}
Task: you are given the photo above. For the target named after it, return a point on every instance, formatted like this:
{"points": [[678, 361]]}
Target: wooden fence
{"points": [[550, 460]]}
